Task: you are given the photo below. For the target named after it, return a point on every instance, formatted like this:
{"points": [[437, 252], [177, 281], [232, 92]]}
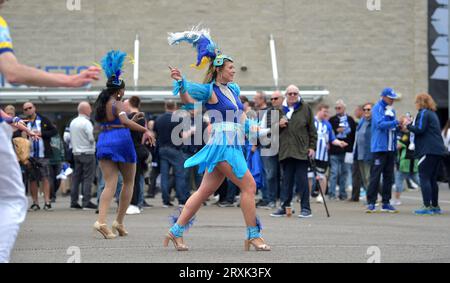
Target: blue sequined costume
{"points": [[227, 135], [115, 144]]}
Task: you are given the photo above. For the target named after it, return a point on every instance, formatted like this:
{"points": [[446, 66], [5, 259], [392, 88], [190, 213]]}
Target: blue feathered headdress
{"points": [[112, 64], [201, 40]]}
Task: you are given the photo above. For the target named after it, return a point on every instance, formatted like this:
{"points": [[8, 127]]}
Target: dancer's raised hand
{"points": [[175, 74]]}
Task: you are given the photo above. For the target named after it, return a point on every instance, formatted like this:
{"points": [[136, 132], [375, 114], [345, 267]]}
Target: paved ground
{"points": [[219, 232]]}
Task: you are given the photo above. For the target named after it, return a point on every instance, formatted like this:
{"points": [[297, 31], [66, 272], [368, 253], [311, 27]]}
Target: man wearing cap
{"points": [[383, 146]]}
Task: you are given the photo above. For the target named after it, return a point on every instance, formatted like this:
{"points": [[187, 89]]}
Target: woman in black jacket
{"points": [[429, 149]]}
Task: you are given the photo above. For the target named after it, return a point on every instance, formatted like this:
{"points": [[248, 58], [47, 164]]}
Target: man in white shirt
{"points": [[83, 148]]}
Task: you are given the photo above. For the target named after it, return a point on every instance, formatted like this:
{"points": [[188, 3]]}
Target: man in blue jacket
{"points": [[383, 147]]}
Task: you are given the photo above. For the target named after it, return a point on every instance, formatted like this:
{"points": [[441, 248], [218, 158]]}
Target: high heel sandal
{"points": [[181, 247], [260, 248], [103, 229], [119, 228]]}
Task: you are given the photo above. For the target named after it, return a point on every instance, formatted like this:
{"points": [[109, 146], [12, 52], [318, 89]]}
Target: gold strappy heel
{"points": [[119, 228], [179, 246], [260, 248], [103, 229]]}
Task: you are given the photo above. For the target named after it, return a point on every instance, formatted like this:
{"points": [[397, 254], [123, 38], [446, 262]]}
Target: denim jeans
{"points": [[295, 172], [141, 197], [271, 172], [172, 157], [400, 177], [339, 172]]}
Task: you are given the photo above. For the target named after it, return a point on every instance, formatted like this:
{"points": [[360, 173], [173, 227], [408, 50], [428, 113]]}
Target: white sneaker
{"points": [[396, 202], [132, 210], [319, 199], [414, 185]]}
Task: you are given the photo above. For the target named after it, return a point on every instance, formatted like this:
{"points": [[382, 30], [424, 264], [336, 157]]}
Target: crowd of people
{"points": [[280, 149], [370, 154]]}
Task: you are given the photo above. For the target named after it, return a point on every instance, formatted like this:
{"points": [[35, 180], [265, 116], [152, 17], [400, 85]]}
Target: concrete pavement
{"points": [[349, 235]]}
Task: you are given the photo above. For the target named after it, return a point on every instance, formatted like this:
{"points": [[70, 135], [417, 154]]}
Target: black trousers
{"points": [[295, 173], [383, 164], [428, 173], [356, 181]]}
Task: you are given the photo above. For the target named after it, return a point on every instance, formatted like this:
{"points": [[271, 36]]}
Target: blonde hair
{"points": [[425, 101], [10, 108], [211, 74]]}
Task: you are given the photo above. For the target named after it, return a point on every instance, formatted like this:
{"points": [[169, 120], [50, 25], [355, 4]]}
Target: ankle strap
{"points": [[253, 233], [177, 230]]}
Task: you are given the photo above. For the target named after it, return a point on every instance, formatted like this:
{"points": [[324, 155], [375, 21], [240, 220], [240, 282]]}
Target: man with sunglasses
{"points": [[270, 147], [362, 153], [41, 151], [13, 202], [298, 137], [344, 127]]}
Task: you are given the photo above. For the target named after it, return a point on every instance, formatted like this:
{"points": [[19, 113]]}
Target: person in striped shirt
{"points": [[325, 136], [13, 202]]}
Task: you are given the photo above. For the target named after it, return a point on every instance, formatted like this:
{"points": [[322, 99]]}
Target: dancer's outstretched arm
{"points": [[18, 73], [16, 122]]}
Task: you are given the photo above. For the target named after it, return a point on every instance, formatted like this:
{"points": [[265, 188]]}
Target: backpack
{"points": [[22, 148]]}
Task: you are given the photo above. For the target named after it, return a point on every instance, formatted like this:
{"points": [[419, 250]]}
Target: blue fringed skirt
{"points": [[225, 144], [116, 145]]}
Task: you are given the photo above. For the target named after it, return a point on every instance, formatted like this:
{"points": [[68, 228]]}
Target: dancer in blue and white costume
{"points": [[222, 157]]}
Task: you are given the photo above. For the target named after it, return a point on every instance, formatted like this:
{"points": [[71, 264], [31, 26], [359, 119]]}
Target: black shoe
{"points": [[166, 205], [261, 204], [96, 212], [75, 206], [281, 212], [48, 207], [89, 206], [146, 205], [35, 207], [53, 200]]}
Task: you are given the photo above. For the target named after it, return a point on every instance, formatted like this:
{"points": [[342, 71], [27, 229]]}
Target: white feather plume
{"points": [[190, 36]]}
